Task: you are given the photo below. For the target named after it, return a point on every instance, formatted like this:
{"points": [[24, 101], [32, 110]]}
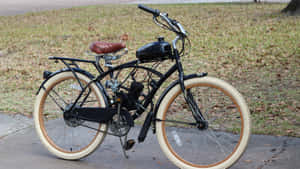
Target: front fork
{"points": [[197, 114]]}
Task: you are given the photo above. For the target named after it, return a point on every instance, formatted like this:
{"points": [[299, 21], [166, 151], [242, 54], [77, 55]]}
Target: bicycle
{"points": [[75, 110]]}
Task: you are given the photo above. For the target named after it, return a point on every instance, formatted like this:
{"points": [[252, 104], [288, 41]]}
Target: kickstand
{"points": [[123, 146]]}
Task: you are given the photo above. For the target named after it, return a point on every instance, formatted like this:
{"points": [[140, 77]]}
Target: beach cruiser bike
{"points": [[200, 121]]}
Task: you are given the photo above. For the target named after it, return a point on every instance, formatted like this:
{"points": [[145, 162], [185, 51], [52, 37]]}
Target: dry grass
{"points": [[252, 46]]}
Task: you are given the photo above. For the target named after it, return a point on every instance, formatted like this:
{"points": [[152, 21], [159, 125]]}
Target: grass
{"points": [[252, 46]]}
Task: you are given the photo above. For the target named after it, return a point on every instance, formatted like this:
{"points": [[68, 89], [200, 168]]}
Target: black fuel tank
{"points": [[155, 51]]}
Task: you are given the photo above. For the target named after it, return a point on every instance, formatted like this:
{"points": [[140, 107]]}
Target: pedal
{"points": [[129, 144]]}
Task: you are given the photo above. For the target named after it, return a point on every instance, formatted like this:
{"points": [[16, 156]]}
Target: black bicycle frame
{"points": [[134, 64]]}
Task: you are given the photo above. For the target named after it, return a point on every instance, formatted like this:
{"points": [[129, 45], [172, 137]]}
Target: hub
{"points": [[202, 125], [70, 117]]}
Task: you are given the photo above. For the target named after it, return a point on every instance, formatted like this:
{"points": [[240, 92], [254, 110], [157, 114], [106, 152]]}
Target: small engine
{"points": [[129, 99]]}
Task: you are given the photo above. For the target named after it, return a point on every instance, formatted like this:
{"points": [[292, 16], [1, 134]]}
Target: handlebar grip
{"points": [[155, 12]]}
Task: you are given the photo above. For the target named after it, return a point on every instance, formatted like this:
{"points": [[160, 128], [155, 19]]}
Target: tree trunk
{"points": [[292, 8]]}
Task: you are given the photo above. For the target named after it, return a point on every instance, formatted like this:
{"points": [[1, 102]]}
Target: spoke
{"points": [[57, 104], [230, 137], [215, 139], [51, 116], [65, 135], [59, 97]]}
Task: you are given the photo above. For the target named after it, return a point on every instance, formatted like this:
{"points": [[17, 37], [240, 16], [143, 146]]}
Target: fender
{"points": [[170, 87], [48, 75]]}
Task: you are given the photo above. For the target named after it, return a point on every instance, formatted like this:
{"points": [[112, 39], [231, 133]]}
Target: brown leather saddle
{"points": [[106, 47]]}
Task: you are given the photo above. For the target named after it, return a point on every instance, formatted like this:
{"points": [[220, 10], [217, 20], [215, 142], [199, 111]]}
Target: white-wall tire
{"points": [[39, 123], [231, 93]]}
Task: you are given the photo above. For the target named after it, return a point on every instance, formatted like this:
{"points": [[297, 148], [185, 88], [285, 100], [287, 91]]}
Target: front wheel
{"points": [[68, 137], [190, 147]]}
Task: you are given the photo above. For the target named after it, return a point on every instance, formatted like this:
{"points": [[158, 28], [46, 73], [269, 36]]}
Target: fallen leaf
{"points": [[124, 37], [248, 161]]}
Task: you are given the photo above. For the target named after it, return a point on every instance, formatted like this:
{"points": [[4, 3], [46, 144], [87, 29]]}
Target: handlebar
{"points": [[173, 25], [155, 12]]}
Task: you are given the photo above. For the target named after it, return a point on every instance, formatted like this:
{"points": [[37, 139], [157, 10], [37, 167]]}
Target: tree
{"points": [[292, 8]]}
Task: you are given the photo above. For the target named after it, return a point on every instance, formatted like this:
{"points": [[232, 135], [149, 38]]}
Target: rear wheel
{"points": [[65, 137], [222, 143]]}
